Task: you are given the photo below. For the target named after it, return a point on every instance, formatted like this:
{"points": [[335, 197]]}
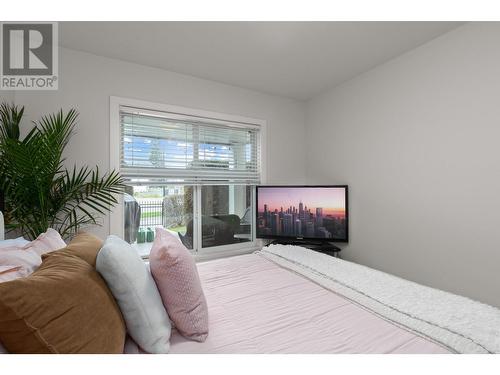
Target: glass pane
{"points": [[148, 207], [226, 214], [150, 142], [156, 153]]}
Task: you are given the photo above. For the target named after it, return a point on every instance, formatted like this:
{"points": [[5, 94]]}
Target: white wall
{"points": [[6, 96], [87, 81], [418, 141]]}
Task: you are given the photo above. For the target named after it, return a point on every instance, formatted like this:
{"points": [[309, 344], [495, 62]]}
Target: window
{"points": [[190, 171]]}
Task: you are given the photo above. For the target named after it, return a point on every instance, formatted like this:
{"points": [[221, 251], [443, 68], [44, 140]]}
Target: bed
{"points": [[288, 299], [258, 307]]}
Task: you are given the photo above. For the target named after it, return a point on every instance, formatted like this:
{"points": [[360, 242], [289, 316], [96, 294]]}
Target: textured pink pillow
{"points": [[46, 242], [174, 270]]}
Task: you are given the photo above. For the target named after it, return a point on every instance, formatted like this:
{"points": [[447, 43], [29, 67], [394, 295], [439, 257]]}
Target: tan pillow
{"points": [[63, 307], [84, 245]]}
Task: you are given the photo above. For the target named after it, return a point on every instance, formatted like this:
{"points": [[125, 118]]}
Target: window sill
{"points": [[208, 255], [211, 255]]}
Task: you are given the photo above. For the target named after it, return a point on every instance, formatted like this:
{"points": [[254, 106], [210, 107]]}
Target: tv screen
{"points": [[302, 212]]}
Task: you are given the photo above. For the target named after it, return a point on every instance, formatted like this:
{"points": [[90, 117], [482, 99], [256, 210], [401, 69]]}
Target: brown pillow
{"points": [[83, 245], [63, 307]]}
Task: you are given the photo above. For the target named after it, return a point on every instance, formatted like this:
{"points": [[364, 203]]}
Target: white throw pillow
{"points": [[135, 292]]}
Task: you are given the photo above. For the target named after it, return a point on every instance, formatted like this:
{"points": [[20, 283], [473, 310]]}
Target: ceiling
{"points": [[292, 59]]}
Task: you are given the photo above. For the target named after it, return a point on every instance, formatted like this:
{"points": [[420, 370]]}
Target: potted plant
{"points": [[40, 192], [10, 118]]}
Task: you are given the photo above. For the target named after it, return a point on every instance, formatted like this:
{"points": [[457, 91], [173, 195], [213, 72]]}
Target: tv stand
{"points": [[319, 246]]}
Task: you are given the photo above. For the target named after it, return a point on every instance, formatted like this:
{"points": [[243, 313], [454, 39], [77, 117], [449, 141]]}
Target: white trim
{"points": [[116, 216], [166, 172], [2, 230], [226, 250], [263, 153], [197, 227], [215, 254], [175, 109], [231, 198], [237, 122]]}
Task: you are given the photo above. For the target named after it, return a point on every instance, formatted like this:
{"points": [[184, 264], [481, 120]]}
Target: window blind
{"points": [[161, 147]]}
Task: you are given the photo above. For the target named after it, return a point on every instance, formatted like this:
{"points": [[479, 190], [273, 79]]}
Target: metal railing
{"points": [[151, 213]]}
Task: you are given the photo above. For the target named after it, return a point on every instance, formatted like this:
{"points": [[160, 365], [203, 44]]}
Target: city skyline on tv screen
{"points": [[310, 212]]}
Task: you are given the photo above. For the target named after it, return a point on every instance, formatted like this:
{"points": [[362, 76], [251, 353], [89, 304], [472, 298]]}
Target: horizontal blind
{"points": [[166, 148]]}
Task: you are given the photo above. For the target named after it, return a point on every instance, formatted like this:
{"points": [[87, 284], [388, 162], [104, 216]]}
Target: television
{"points": [[302, 213]]}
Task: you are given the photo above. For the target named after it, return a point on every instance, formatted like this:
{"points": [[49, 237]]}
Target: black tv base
{"points": [[319, 246]]}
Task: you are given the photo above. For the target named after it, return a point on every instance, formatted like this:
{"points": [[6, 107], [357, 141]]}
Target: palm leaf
{"points": [[10, 118], [84, 193], [41, 192]]}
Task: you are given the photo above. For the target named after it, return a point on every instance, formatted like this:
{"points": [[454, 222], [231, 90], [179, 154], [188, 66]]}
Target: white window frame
{"points": [[116, 218]]}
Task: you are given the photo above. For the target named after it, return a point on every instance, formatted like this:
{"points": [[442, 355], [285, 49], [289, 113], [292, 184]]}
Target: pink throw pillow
{"points": [[27, 257], [15, 256], [46, 242], [176, 276], [8, 273]]}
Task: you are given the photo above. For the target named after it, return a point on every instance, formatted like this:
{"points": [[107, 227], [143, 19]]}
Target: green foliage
{"points": [[156, 156], [10, 118], [174, 205], [40, 192]]}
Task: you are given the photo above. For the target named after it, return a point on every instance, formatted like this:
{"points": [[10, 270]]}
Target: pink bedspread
{"points": [[255, 306]]}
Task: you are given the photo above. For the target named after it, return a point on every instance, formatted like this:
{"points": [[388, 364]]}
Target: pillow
{"points": [[174, 270], [83, 245], [135, 291], [63, 307], [18, 242], [5, 269], [46, 242], [8, 273], [28, 260], [19, 252]]}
